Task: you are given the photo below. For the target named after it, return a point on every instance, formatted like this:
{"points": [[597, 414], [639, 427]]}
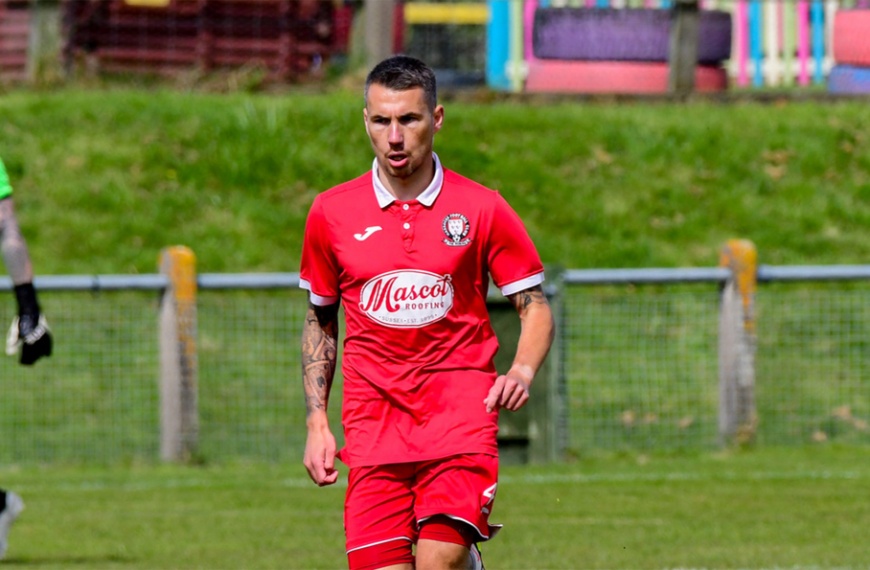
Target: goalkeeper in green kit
{"points": [[29, 336]]}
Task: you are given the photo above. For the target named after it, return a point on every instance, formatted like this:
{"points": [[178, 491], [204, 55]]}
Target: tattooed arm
{"points": [[319, 353], [13, 246], [511, 390]]}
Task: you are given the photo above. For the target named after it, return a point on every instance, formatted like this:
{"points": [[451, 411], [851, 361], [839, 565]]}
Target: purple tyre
{"points": [[849, 80], [629, 34]]}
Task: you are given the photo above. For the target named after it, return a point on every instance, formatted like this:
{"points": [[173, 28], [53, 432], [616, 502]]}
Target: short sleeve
{"points": [[319, 273], [5, 186], [513, 261]]}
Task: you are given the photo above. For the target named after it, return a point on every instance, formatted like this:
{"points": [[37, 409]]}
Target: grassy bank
{"points": [[105, 178]]}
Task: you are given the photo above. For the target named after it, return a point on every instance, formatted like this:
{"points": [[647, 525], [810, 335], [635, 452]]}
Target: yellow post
{"points": [[741, 257], [179, 416], [737, 341]]}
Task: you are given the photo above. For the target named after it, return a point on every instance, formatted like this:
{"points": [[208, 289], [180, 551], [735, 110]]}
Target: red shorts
{"points": [[389, 502]]}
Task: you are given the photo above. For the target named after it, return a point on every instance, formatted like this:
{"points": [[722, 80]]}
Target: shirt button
{"points": [[407, 226], [405, 207]]}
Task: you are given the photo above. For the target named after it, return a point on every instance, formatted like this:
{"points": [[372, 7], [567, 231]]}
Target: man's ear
{"points": [[438, 117]]}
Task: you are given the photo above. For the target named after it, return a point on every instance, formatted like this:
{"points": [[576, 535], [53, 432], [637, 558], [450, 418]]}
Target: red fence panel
{"points": [[14, 38], [289, 39]]}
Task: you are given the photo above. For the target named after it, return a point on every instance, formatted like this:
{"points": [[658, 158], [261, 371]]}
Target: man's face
{"points": [[401, 128]]}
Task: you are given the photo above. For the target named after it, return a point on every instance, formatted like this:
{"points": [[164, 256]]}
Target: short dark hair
{"points": [[403, 72]]}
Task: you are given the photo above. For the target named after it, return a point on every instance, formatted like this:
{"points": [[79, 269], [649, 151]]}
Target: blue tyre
{"points": [[849, 80]]}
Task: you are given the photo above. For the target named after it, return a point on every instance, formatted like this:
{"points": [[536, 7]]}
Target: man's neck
{"points": [[406, 189]]}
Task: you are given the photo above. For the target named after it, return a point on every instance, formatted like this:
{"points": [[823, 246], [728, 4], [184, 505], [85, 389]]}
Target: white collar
{"points": [[427, 197]]}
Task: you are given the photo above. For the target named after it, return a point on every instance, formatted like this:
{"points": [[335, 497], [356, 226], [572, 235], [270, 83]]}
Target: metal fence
{"points": [[637, 360]]}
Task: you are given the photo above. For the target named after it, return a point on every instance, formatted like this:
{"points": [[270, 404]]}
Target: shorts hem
{"points": [[377, 542], [492, 528]]}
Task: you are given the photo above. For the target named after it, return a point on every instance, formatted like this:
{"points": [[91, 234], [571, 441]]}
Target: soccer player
{"points": [[408, 249], [29, 335]]}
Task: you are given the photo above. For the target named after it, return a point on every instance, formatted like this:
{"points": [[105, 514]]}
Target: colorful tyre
{"points": [[606, 34], [851, 44], [608, 77], [849, 80]]}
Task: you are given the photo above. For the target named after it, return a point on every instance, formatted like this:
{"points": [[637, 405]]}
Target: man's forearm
{"points": [[13, 246], [319, 355], [536, 334]]}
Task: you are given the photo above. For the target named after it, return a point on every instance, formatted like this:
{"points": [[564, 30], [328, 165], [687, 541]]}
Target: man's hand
{"points": [[30, 334], [320, 454], [510, 390]]}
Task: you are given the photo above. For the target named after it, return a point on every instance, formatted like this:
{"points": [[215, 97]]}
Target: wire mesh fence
{"points": [[813, 361], [640, 366], [96, 397], [639, 369], [250, 389]]}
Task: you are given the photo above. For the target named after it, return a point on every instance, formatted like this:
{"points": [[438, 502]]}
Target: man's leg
{"points": [[454, 498], [379, 519], [446, 544], [11, 506]]}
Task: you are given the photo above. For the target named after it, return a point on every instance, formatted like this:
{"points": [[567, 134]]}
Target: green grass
{"points": [[777, 508], [107, 177]]}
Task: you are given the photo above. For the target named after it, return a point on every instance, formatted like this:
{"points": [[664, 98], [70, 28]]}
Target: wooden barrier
{"points": [[14, 40], [288, 39]]}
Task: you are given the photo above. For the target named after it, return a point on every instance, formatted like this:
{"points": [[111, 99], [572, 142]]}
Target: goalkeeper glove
{"points": [[29, 331]]}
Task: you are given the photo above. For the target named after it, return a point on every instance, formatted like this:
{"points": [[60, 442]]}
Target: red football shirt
{"points": [[413, 279]]}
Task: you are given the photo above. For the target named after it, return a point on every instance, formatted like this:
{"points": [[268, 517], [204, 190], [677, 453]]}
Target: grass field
{"points": [[774, 508]]}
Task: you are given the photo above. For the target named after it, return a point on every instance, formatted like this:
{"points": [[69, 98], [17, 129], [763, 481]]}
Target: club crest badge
{"points": [[456, 228]]}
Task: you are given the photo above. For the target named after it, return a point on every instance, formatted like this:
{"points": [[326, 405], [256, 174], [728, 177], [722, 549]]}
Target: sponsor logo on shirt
{"points": [[407, 298], [456, 228]]}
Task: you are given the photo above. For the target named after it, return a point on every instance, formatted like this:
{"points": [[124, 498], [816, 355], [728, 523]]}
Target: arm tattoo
{"points": [[523, 299], [319, 353], [13, 246]]}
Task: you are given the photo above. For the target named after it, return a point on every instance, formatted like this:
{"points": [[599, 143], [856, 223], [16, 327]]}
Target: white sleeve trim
{"points": [[522, 284], [314, 297]]}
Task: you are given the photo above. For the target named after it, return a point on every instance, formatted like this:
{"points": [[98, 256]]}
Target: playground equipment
{"points": [[851, 72], [774, 42], [608, 50]]}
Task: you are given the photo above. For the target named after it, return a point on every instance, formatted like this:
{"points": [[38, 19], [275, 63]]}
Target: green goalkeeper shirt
{"points": [[5, 187]]}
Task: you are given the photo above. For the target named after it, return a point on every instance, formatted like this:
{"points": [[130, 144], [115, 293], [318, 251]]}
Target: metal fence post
{"points": [[738, 420], [179, 416]]}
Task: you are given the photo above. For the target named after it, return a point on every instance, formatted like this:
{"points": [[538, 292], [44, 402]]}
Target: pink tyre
{"points": [[851, 41], [608, 77]]}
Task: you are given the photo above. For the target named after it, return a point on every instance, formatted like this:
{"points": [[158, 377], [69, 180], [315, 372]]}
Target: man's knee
{"points": [[435, 555], [444, 544]]}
